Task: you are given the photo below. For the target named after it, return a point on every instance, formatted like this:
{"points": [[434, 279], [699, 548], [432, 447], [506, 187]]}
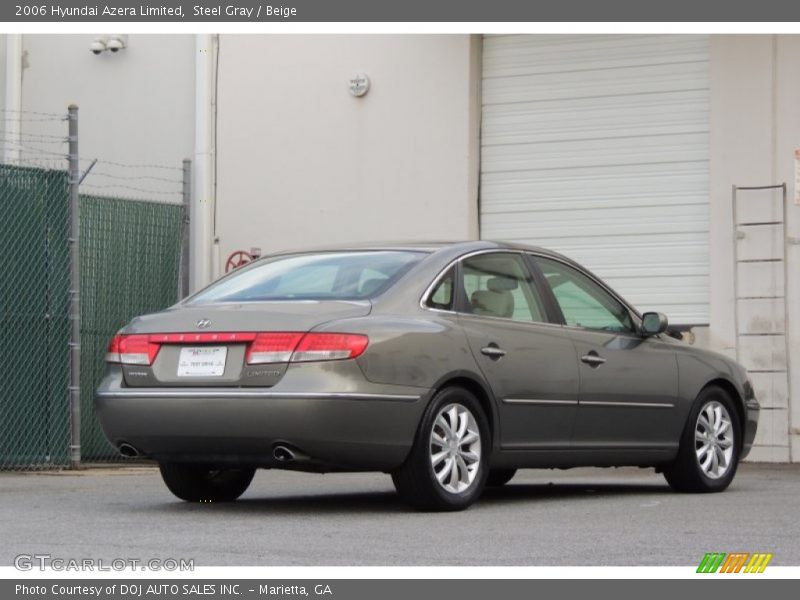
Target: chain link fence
{"points": [[34, 299], [129, 264]]}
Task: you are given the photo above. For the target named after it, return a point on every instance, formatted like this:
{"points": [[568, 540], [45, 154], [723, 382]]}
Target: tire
{"points": [[439, 451], [688, 472], [199, 483], [500, 477]]}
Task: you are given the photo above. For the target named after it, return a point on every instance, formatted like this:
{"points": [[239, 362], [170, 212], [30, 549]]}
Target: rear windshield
{"points": [[324, 276]]}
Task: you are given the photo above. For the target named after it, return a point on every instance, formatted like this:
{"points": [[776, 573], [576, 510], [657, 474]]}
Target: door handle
{"points": [[593, 359], [493, 351]]}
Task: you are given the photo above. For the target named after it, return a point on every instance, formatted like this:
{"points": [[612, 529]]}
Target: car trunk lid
{"points": [[207, 345]]}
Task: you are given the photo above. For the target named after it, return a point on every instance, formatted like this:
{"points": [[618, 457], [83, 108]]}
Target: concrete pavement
{"points": [[577, 517]]}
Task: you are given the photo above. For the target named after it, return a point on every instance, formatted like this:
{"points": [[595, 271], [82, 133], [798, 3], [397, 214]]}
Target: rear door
{"points": [[628, 383], [529, 363]]}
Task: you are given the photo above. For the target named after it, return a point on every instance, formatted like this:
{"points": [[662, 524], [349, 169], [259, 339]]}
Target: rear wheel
{"points": [[500, 477], [199, 483], [446, 469], [710, 446]]}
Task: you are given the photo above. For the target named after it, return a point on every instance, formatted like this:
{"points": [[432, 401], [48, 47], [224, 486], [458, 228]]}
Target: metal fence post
{"points": [[74, 294], [185, 231]]}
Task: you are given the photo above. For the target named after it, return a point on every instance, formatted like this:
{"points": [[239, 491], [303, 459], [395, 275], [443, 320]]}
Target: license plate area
{"points": [[202, 361]]}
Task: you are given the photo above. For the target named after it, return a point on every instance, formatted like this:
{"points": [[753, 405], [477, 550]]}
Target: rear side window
{"points": [[441, 296], [354, 275], [499, 285]]}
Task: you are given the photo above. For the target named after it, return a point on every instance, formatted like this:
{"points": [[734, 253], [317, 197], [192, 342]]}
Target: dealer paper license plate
{"points": [[202, 361]]}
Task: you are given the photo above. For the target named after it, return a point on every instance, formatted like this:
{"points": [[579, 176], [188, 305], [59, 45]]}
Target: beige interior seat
{"points": [[497, 301]]}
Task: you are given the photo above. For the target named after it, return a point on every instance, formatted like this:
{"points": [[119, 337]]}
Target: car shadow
{"points": [[360, 502], [553, 492], [384, 502]]}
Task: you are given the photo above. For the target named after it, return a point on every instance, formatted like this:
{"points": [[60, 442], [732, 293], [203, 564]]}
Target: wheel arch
{"points": [[736, 396], [475, 384]]}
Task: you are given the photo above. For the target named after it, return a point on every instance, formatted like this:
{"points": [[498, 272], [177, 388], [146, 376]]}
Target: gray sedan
{"points": [[449, 366]]}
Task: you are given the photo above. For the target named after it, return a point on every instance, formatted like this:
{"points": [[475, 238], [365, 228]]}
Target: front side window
{"points": [[583, 302], [354, 275], [499, 285]]}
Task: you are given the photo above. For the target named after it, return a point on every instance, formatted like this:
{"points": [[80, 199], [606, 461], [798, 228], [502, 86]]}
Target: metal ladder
{"points": [[751, 330]]}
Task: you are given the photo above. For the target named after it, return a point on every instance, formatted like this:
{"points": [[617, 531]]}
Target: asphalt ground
{"points": [[542, 517]]}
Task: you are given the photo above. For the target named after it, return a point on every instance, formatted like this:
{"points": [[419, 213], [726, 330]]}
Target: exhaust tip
{"points": [[283, 454], [127, 450]]}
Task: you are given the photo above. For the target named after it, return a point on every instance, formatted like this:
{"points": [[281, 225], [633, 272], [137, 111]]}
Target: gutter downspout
{"points": [[202, 207], [13, 98]]}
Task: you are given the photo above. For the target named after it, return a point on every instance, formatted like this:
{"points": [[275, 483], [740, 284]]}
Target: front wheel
{"points": [[198, 483], [447, 466], [710, 445]]}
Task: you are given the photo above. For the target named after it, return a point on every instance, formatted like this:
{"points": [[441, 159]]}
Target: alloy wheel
{"points": [[455, 448], [713, 436]]}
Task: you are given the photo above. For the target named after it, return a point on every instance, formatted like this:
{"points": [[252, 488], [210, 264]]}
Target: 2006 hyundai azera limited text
{"points": [[447, 365]]}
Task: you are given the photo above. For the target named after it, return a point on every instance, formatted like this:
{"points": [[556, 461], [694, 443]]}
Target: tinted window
{"points": [[582, 301], [313, 279], [441, 296], [370, 280], [499, 285], [323, 276]]}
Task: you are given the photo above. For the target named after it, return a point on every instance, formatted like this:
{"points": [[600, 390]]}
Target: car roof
{"points": [[453, 247]]}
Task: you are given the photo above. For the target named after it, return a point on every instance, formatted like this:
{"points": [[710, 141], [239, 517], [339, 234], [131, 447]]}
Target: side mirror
{"points": [[654, 323]]}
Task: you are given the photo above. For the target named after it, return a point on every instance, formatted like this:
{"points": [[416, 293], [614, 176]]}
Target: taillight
{"points": [[272, 347], [265, 347], [112, 352], [134, 349], [329, 346]]}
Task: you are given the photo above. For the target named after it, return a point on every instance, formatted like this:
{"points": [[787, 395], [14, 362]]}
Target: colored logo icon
{"points": [[736, 562]]}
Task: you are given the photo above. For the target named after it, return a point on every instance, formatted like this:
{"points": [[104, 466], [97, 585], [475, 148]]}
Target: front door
{"points": [[628, 383]]}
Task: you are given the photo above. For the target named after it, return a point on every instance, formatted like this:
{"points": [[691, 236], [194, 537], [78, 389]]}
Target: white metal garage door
{"points": [[597, 146]]}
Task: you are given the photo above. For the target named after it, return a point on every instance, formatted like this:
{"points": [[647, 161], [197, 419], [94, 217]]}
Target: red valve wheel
{"points": [[237, 259]]}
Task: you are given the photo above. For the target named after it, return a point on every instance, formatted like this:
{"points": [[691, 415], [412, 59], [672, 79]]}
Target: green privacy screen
{"points": [[34, 317], [130, 265]]}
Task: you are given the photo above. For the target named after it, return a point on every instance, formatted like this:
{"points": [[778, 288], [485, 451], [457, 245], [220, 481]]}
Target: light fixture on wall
{"points": [[113, 44], [98, 46], [117, 43], [359, 85]]}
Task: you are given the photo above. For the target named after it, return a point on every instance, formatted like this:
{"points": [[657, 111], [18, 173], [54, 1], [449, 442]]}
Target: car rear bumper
{"points": [[371, 429]]}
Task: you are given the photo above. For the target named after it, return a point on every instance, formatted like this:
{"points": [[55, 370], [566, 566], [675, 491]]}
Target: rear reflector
{"points": [[264, 347]]}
